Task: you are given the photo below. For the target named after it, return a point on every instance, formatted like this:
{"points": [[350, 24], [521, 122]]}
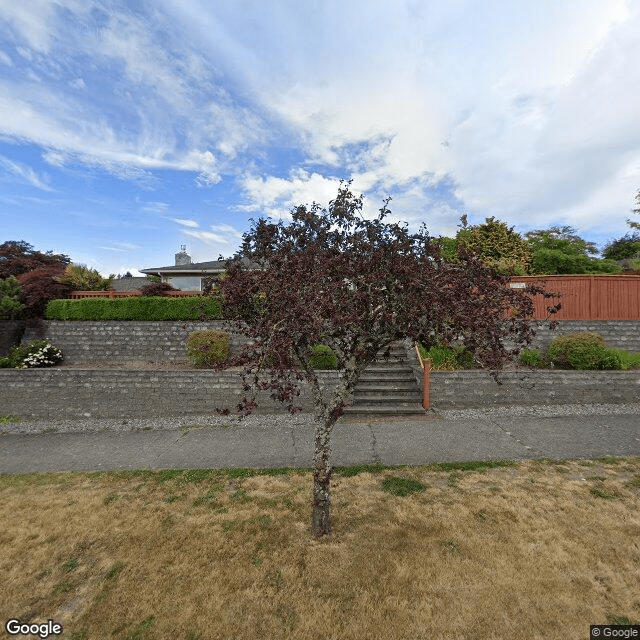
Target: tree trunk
{"points": [[321, 520]]}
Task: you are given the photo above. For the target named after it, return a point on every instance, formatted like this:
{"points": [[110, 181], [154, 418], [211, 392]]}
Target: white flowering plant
{"points": [[38, 353]]}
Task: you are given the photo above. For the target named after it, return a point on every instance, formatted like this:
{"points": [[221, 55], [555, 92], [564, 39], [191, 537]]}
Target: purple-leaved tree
{"points": [[333, 277]]}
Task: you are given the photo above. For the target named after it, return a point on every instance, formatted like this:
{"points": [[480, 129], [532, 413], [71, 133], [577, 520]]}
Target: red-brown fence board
{"points": [[588, 297]]}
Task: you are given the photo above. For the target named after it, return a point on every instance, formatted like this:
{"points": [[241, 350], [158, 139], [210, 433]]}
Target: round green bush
{"points": [[205, 349], [323, 357], [582, 351]]}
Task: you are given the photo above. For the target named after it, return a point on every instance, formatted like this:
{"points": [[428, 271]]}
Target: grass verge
{"points": [[474, 550]]}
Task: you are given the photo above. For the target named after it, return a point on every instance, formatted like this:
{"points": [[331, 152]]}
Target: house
{"points": [[186, 275], [124, 285]]}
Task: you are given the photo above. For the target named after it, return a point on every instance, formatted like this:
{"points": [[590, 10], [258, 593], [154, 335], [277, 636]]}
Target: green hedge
{"points": [[149, 308]]}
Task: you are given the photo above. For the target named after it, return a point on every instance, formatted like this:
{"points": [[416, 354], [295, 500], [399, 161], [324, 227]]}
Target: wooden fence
{"points": [[605, 297]]}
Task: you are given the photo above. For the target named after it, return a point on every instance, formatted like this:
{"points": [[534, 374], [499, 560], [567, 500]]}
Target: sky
{"points": [[128, 129]]}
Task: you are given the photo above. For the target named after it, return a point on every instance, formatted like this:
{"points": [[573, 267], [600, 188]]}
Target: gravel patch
{"points": [[185, 423], [542, 411]]}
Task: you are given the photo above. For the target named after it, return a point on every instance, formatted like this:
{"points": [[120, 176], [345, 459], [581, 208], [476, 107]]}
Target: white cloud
{"points": [[227, 230], [504, 102], [522, 110], [121, 247], [273, 196], [149, 100], [25, 173], [186, 223], [207, 237]]}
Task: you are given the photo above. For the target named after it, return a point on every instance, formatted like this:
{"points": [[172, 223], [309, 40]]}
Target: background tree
{"points": [[628, 246], [332, 277], [82, 278], [18, 257], [37, 273], [559, 250], [10, 305], [497, 245], [39, 286]]}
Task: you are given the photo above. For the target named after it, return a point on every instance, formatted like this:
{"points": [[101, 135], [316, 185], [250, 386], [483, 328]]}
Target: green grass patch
{"points": [[70, 565], [349, 472], [401, 486], [472, 465], [9, 419], [601, 493], [114, 570]]}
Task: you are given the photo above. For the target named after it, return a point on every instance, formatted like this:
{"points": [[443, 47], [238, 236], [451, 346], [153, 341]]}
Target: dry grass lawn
{"points": [[533, 550]]}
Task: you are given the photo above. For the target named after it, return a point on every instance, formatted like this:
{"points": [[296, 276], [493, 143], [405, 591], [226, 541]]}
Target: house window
{"points": [[186, 283]]}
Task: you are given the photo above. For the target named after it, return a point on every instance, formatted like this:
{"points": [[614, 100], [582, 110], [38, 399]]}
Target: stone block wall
{"points": [[620, 334], [107, 393], [469, 389], [10, 334], [115, 342]]}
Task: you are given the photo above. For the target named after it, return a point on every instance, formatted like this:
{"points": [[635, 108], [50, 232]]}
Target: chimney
{"points": [[183, 257]]}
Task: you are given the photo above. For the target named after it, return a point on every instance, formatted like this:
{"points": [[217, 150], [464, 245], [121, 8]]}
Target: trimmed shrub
{"points": [[323, 357], [205, 349], [532, 358], [582, 351], [138, 308]]}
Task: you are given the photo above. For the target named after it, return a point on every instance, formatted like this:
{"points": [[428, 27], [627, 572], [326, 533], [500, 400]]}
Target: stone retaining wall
{"points": [[10, 334], [469, 389], [107, 393], [621, 334], [114, 342]]}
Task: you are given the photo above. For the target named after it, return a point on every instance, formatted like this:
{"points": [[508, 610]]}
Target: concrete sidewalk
{"points": [[412, 442]]}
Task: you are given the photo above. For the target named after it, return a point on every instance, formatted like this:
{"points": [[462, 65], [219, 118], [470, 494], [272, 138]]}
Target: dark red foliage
{"points": [[336, 278], [18, 257], [157, 289], [39, 286]]}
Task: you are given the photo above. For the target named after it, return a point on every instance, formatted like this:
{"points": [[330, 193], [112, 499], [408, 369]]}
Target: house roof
{"points": [[197, 268], [129, 284], [214, 266]]}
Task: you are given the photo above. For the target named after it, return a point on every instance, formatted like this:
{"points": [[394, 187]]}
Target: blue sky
{"points": [[130, 128]]}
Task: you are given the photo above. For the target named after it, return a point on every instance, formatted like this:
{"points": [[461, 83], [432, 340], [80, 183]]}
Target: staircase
{"points": [[387, 388]]}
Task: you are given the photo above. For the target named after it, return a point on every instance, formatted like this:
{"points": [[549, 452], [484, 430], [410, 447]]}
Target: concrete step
{"points": [[382, 386], [386, 377], [385, 398], [388, 366]]}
